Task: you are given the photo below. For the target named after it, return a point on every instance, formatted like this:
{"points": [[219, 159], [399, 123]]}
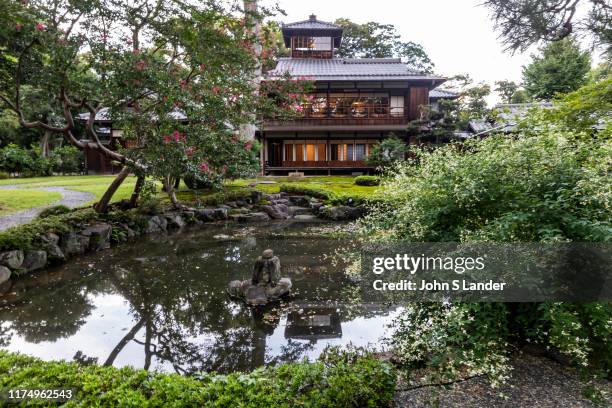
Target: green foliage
{"points": [[462, 339], [4, 175], [584, 110], [24, 236], [30, 163], [506, 90], [15, 159], [67, 160], [85, 55], [550, 187], [352, 195], [195, 184], [389, 151], [560, 68], [548, 184], [374, 40], [150, 206], [307, 191], [338, 380], [367, 181], [56, 210], [522, 24]]}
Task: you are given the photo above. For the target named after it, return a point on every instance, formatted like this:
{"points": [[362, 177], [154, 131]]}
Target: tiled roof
{"points": [[312, 24], [439, 93], [347, 69]]}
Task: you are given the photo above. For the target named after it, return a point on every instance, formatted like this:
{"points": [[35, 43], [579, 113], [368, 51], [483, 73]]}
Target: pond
{"points": [[160, 303]]}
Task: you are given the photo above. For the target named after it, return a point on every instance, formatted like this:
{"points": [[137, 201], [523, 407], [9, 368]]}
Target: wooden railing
{"points": [[311, 54], [367, 115]]}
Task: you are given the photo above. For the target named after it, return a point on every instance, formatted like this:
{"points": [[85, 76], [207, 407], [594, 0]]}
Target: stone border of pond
{"points": [[54, 240]]}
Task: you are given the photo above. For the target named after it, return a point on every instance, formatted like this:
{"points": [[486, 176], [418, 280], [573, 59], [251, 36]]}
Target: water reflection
{"points": [[161, 304]]}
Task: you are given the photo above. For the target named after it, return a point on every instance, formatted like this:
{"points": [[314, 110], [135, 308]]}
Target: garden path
{"points": [[70, 198]]}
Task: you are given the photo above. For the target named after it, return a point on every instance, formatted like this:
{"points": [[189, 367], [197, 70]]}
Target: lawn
{"points": [[338, 185], [12, 201], [96, 185]]}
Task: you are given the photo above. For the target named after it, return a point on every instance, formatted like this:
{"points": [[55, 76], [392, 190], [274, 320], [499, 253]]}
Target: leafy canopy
{"points": [[561, 67], [375, 40]]}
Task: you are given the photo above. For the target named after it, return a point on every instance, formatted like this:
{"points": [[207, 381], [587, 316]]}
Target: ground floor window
{"points": [[318, 152]]}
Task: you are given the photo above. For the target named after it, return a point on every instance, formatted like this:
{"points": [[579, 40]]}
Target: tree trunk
{"points": [[169, 185], [44, 144], [102, 205], [252, 21], [136, 192]]}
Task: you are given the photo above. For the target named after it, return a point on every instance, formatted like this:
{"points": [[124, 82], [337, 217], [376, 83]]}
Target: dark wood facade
{"points": [[355, 104]]}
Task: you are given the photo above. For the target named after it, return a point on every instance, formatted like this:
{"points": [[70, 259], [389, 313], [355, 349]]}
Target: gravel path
{"points": [[70, 198], [536, 382]]}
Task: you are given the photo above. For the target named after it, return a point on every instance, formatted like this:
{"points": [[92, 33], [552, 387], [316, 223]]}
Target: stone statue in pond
{"points": [[265, 285]]}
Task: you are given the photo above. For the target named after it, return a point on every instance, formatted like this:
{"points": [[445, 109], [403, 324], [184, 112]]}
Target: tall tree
{"points": [[561, 67], [523, 23], [506, 90], [375, 40]]}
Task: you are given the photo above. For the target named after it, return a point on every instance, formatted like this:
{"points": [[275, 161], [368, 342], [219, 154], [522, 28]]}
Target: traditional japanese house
{"points": [[356, 103]]}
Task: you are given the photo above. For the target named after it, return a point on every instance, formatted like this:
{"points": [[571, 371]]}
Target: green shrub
{"points": [[55, 210], [4, 175], [553, 187], [367, 181], [150, 206], [23, 236], [67, 160], [224, 197], [307, 191], [339, 380], [195, 184]]}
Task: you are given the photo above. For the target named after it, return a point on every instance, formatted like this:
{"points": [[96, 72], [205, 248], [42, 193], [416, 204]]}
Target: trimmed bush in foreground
{"points": [[367, 181], [338, 380]]}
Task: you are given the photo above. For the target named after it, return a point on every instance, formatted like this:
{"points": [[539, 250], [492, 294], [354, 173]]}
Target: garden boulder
{"points": [[99, 236], [5, 274], [34, 260], [12, 259], [72, 243]]}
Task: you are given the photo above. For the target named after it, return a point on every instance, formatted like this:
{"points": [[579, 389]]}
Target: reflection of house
{"points": [[313, 324], [356, 103]]}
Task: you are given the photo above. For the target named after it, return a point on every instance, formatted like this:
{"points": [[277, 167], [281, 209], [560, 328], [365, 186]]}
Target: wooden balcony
{"points": [[367, 116]]}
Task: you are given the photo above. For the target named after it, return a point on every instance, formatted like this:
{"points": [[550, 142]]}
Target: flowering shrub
{"points": [[546, 187]]}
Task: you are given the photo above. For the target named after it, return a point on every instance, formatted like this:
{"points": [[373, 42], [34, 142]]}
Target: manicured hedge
{"points": [[307, 191], [339, 380], [367, 181]]}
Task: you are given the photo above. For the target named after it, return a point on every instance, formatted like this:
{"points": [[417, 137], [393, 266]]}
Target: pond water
{"points": [[160, 303]]}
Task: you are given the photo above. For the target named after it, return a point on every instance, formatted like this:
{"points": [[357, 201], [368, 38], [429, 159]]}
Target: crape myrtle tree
{"points": [[177, 79]]}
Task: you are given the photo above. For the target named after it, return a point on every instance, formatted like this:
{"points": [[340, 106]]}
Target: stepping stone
{"points": [[252, 217], [305, 217], [299, 210]]}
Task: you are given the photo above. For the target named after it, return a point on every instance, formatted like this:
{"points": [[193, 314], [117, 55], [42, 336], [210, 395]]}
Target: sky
{"points": [[458, 35]]}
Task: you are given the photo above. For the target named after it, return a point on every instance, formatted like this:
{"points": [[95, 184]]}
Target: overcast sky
{"points": [[457, 35]]}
